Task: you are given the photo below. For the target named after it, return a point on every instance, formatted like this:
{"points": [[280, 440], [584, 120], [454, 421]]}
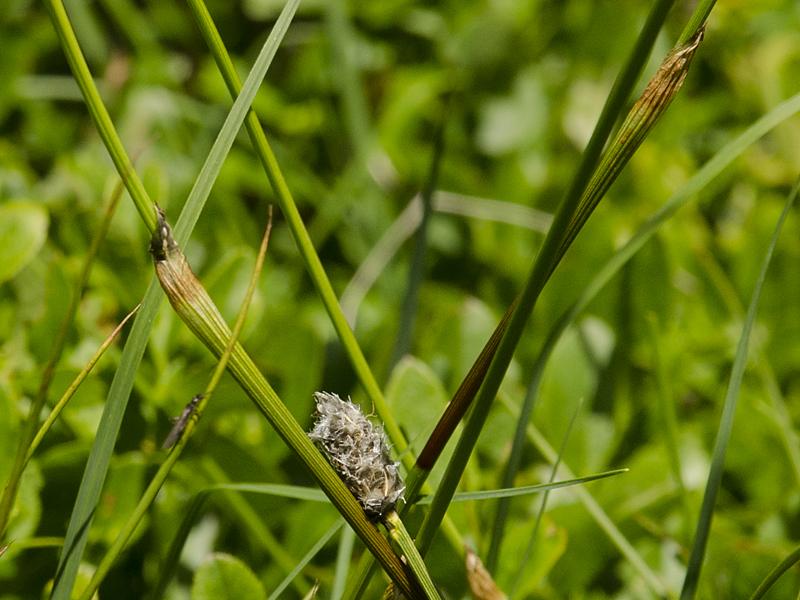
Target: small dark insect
{"points": [[181, 422]]}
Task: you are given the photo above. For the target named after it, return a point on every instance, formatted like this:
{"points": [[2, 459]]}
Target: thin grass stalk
{"points": [[399, 534], [707, 173], [526, 556], [252, 523], [99, 113], [307, 558], [666, 415], [196, 309], [306, 248], [73, 387], [29, 438], [176, 450], [612, 109], [122, 384], [416, 271], [343, 558], [787, 563], [593, 508], [697, 555], [552, 250]]}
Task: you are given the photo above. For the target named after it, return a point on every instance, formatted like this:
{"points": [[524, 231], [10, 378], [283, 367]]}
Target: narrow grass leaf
{"points": [[33, 229], [108, 429], [307, 558], [343, 558], [714, 480], [707, 173], [787, 563], [526, 556], [187, 421], [594, 509]]}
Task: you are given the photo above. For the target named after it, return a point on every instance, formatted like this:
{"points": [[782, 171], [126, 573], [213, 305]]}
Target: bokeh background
{"points": [[352, 104]]}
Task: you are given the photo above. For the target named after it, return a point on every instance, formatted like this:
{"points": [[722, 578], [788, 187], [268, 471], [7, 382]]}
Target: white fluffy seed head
{"points": [[358, 452]]}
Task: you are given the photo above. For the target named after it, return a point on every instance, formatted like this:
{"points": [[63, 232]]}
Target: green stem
{"points": [[400, 535], [100, 115], [29, 438], [773, 576], [183, 437], [610, 114], [309, 255], [571, 216]]}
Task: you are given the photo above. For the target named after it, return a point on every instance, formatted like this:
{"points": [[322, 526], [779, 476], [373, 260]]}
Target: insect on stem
{"points": [[181, 422]]}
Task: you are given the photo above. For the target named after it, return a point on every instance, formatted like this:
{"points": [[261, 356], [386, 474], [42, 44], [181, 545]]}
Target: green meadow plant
{"points": [[378, 474]]}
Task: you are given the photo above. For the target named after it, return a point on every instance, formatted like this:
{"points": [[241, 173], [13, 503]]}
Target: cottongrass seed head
{"points": [[358, 452]]}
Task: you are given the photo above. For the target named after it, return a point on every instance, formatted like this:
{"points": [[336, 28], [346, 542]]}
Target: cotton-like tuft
{"points": [[358, 451]]}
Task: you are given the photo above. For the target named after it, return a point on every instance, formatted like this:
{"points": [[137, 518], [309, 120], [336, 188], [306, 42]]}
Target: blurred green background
{"points": [[351, 105]]}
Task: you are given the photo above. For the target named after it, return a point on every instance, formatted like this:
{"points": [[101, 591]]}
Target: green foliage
{"points": [[351, 104]]}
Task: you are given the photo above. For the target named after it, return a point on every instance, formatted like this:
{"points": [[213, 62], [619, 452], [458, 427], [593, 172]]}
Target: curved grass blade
{"points": [[190, 417], [592, 507], [707, 173], [773, 576], [29, 439], [302, 239], [307, 558], [726, 420], [343, 557], [108, 429], [526, 556], [566, 225]]}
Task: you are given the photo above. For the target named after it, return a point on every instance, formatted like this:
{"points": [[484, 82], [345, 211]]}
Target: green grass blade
{"points": [[309, 556], [594, 509], [545, 261], [569, 219], [30, 437], [773, 576], [108, 429], [103, 446], [707, 173], [301, 236], [726, 420], [166, 466], [343, 558], [526, 556], [99, 114]]}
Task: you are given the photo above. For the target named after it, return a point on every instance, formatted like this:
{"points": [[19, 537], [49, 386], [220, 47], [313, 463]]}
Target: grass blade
{"points": [[543, 505], [594, 509], [30, 437], [301, 236], [707, 173], [773, 576], [108, 429], [309, 556], [726, 420], [565, 227], [197, 404]]}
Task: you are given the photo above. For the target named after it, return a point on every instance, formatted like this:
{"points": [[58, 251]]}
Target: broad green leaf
{"points": [[225, 577], [23, 230]]}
